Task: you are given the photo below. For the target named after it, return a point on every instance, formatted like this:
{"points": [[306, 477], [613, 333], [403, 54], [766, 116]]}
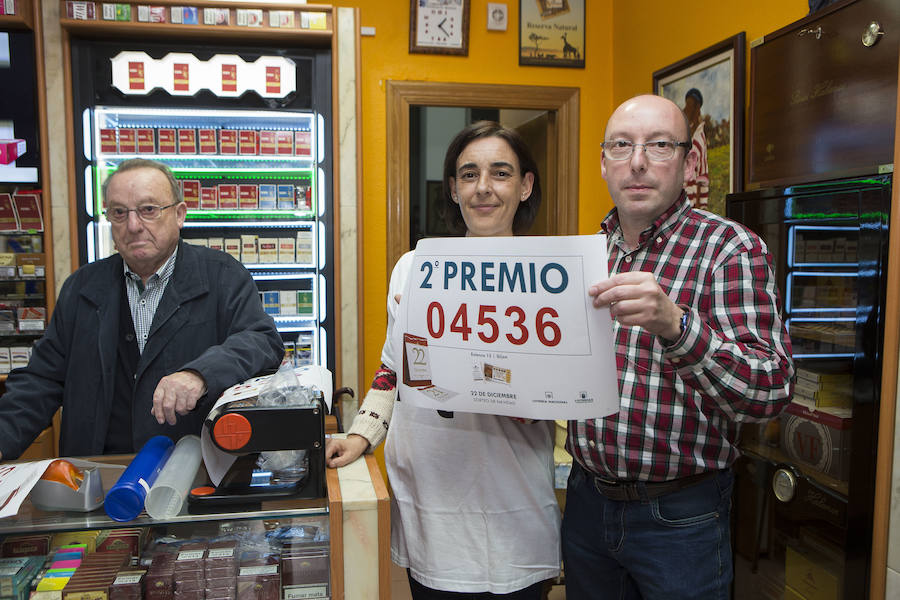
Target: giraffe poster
{"points": [[551, 33]]}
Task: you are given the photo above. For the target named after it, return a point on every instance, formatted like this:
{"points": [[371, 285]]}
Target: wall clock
{"points": [[439, 26]]}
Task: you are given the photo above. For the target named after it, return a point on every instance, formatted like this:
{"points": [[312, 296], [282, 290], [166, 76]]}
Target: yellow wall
{"points": [[626, 41], [492, 58]]}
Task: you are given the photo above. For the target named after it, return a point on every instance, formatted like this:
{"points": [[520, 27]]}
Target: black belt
{"points": [[631, 490]]}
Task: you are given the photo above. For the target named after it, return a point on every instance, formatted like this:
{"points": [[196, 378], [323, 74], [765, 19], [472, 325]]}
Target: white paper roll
{"points": [[167, 495]]}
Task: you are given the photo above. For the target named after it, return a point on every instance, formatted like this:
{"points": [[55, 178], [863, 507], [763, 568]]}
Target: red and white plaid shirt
{"points": [[680, 405]]}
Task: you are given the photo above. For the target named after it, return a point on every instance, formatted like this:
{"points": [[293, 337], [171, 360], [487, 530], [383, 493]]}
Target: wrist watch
{"points": [[682, 325]]}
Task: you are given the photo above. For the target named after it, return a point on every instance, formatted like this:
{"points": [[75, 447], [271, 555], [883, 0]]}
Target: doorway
{"points": [[555, 118]]}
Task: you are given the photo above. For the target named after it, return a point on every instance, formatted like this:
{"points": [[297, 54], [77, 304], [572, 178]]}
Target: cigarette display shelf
{"points": [[352, 521], [254, 186]]}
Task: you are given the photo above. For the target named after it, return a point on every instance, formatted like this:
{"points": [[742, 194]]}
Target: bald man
{"points": [[701, 347]]}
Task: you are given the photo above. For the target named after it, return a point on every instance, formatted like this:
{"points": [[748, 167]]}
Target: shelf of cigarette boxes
{"points": [[815, 441], [289, 549]]}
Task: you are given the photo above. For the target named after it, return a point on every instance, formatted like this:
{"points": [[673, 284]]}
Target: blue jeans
{"points": [[672, 547]]}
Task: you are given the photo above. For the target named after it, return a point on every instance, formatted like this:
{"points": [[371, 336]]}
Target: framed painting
{"points": [[709, 88], [551, 33], [439, 27]]}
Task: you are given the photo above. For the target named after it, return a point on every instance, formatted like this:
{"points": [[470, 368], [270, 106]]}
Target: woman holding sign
{"points": [[473, 509]]}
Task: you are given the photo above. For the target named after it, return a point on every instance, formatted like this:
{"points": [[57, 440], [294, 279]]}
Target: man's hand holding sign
{"points": [[504, 318]]}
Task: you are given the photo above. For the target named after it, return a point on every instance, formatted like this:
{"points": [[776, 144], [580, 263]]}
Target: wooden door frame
{"points": [[562, 184]]}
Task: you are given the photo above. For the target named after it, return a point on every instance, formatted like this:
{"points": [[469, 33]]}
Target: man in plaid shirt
{"points": [[701, 348]]}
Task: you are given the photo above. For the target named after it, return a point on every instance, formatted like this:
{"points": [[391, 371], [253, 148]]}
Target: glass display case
{"points": [[805, 484], [333, 547]]}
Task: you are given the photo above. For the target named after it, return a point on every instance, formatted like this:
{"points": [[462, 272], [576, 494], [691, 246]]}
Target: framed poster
{"points": [[551, 33], [709, 86], [439, 27]]}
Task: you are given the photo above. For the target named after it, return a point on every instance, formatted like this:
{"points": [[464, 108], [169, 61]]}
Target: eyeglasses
{"points": [[659, 150], [146, 212]]}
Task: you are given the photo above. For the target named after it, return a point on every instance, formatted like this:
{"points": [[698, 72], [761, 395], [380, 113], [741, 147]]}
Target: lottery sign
{"points": [[505, 326]]}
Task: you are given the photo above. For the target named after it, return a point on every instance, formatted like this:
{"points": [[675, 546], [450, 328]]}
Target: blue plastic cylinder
{"points": [[125, 500]]}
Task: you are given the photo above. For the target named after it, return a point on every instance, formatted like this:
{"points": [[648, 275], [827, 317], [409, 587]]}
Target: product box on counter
{"points": [[16, 574], [28, 210], [817, 438], [37, 544], [31, 264], [8, 219]]}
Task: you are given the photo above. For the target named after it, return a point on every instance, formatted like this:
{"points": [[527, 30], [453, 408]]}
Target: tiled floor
{"points": [[400, 586]]}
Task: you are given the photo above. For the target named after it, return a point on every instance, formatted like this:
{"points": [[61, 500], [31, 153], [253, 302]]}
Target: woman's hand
{"points": [[340, 452]]}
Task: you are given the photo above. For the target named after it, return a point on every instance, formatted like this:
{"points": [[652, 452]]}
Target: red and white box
{"points": [[228, 196], [209, 198], [247, 142], [8, 219], [228, 141], [167, 141], [187, 141], [28, 210], [248, 196], [146, 140], [284, 142], [10, 150], [302, 143], [190, 189], [127, 141], [108, 143], [267, 142], [207, 141], [85, 11]]}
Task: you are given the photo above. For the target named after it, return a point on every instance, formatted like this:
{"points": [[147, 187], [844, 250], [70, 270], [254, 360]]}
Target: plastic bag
{"points": [[284, 389]]}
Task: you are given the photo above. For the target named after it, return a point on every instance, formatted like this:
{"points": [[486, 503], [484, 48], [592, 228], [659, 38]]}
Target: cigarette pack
{"points": [[817, 438], [303, 197], [127, 140], [303, 354], [229, 77], [249, 250], [248, 196], [187, 141], [122, 540], [247, 142], [84, 11], [305, 303], [209, 198], [128, 585], [167, 140], [284, 143], [302, 143], [5, 366], [228, 141], [8, 219], [207, 141], [146, 140], [267, 141], [268, 250], [281, 18], [272, 302], [313, 20], [216, 16], [268, 199], [28, 210], [198, 242], [287, 301], [18, 357], [285, 196], [30, 318], [286, 252], [116, 12], [108, 143], [217, 244], [8, 7], [190, 189], [31, 264], [305, 246], [228, 198], [249, 17], [233, 247], [181, 76], [7, 320]]}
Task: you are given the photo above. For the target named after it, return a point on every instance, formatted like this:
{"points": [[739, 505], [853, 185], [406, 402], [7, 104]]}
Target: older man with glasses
{"points": [[143, 342], [701, 348]]}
